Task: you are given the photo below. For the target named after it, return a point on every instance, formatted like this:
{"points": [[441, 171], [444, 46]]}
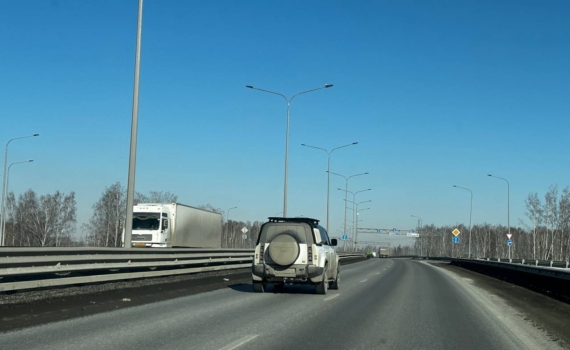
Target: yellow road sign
{"points": [[455, 232]]}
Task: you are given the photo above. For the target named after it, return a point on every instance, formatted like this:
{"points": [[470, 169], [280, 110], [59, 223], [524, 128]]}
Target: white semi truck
{"points": [[173, 225]]}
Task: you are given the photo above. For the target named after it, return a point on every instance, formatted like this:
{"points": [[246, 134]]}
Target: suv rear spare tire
{"points": [[284, 250]]}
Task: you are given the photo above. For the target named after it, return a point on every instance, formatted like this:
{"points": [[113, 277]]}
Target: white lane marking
{"points": [[331, 297], [377, 273], [239, 342], [364, 280]]}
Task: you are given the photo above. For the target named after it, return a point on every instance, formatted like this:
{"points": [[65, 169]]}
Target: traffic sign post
{"points": [[344, 237], [455, 232], [456, 240], [509, 243]]}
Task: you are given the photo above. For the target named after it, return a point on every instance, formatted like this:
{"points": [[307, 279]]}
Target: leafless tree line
{"points": [[547, 237], [44, 220]]}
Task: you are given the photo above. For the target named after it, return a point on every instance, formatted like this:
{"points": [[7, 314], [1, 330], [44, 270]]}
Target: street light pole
{"points": [[288, 100], [134, 127], [3, 199], [355, 211], [329, 174], [228, 222], [421, 235], [508, 206], [356, 220], [346, 191], [470, 215], [353, 201], [7, 183]]}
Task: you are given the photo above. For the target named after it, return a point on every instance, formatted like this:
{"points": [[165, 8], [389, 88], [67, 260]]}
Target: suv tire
{"points": [[322, 287], [336, 282], [259, 287]]}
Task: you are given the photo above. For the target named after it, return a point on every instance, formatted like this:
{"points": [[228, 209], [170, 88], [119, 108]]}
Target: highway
{"points": [[381, 304]]}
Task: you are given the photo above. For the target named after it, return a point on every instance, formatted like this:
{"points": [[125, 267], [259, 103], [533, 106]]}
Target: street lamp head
{"points": [[489, 175], [454, 186], [36, 135], [328, 86], [249, 86], [31, 160], [355, 143]]}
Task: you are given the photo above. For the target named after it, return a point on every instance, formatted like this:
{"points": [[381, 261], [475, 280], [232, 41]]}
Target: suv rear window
{"points": [[302, 232]]}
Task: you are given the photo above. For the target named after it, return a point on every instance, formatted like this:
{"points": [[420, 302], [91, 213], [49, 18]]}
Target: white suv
{"points": [[295, 251]]}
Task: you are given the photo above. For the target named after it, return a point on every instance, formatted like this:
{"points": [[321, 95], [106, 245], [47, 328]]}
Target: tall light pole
{"points": [[356, 223], [508, 206], [228, 222], [328, 173], [346, 190], [7, 183], [421, 235], [134, 127], [3, 199], [355, 213], [354, 210], [470, 215], [353, 195], [288, 100]]}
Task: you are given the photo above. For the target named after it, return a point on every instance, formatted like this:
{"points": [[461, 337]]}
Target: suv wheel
{"points": [[322, 287], [334, 285], [258, 287]]}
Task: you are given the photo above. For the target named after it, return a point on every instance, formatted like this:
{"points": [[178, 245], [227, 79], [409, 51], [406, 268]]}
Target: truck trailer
{"points": [[384, 252], [172, 225]]}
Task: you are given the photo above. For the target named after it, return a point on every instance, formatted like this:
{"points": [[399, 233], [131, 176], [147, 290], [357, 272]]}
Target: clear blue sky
{"points": [[436, 93]]}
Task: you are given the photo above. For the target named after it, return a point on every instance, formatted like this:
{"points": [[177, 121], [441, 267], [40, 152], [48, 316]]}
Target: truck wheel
{"points": [[322, 287], [334, 285], [258, 287]]}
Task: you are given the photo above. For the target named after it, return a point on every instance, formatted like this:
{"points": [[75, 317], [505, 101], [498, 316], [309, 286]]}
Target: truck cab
{"points": [[151, 225]]}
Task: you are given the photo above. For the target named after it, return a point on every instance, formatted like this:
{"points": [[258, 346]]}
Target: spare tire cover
{"points": [[284, 250]]}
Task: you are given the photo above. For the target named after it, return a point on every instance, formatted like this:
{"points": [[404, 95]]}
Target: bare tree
{"points": [[551, 216], [104, 227], [534, 213], [156, 197], [48, 220]]}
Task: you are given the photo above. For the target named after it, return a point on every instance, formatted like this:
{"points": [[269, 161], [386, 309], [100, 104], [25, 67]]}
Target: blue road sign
{"points": [[509, 242], [455, 239], [394, 229], [413, 230], [344, 237]]}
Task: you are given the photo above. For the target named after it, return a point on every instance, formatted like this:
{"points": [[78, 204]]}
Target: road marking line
{"points": [[364, 280], [377, 273], [331, 297], [239, 342]]}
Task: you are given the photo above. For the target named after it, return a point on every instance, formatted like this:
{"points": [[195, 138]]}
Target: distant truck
{"points": [[171, 225], [384, 253]]}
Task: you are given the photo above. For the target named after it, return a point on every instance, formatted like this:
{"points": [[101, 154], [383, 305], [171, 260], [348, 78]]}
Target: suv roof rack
{"points": [[297, 219]]}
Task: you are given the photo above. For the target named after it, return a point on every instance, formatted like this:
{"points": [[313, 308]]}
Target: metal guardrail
{"points": [[554, 282], [32, 268], [538, 270]]}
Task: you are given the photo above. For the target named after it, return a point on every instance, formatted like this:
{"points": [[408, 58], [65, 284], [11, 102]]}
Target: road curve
{"points": [[381, 304]]}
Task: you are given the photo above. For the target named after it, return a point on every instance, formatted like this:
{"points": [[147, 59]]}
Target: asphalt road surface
{"points": [[381, 304]]}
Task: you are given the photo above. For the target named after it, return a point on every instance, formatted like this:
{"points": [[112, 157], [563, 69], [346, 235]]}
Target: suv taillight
{"points": [[310, 254], [261, 249]]}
